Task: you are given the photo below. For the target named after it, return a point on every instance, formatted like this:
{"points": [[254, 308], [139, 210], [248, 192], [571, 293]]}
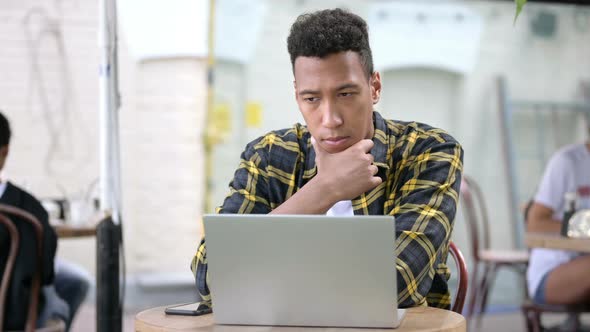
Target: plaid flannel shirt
{"points": [[421, 170]]}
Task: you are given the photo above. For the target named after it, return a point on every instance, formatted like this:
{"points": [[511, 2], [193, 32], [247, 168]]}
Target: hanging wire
{"points": [[60, 131]]}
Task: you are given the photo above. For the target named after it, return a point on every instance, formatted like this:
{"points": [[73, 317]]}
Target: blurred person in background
{"points": [[64, 284], [558, 276]]}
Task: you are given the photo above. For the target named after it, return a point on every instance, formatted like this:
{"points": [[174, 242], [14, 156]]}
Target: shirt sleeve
{"points": [[199, 269], [49, 241], [248, 192], [425, 203], [555, 183]]}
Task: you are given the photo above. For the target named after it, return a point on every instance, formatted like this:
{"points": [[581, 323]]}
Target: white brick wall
{"points": [[163, 163], [161, 128]]}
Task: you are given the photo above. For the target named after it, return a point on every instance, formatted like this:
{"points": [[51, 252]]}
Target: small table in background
{"points": [[417, 319], [67, 231], [556, 241], [88, 229]]}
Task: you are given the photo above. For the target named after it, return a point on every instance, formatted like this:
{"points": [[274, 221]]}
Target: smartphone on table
{"points": [[189, 309]]}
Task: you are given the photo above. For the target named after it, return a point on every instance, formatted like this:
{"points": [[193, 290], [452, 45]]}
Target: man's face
{"points": [[3, 154], [336, 99]]}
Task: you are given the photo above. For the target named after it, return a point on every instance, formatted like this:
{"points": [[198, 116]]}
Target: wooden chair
{"points": [[476, 216], [463, 278], [53, 325], [6, 275], [532, 311], [5, 212]]}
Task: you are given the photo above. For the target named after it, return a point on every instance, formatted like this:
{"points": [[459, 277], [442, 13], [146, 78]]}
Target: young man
{"points": [[349, 160], [64, 287], [558, 276]]}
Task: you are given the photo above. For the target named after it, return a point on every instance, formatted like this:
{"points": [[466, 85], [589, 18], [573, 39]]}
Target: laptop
{"points": [[302, 270]]}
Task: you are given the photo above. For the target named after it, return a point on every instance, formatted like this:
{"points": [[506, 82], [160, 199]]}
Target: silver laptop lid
{"points": [[304, 270]]}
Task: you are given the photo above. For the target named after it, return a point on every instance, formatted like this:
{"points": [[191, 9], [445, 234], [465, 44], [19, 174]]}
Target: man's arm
{"points": [[425, 204], [556, 181], [199, 268], [248, 195], [341, 176], [540, 219]]}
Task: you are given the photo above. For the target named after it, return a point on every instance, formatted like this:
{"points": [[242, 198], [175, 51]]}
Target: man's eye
{"points": [[346, 94], [311, 99]]}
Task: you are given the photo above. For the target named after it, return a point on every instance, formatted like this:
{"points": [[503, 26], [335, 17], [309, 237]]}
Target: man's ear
{"points": [[4, 151], [375, 83]]}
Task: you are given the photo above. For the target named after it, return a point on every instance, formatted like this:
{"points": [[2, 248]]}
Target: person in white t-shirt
{"points": [[558, 276]]}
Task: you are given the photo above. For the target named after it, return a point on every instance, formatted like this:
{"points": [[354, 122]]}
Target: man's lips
{"points": [[335, 141]]}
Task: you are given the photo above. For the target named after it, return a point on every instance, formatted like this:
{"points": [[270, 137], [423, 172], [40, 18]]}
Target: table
{"points": [[67, 231], [88, 229], [417, 319], [556, 241]]}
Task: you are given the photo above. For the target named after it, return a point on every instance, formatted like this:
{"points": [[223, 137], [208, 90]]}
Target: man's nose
{"points": [[331, 117]]}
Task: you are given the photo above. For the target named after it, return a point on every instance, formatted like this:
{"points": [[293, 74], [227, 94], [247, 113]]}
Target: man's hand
{"points": [[341, 176], [349, 173]]}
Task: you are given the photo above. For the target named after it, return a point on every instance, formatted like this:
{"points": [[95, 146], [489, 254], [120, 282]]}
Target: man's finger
{"points": [[374, 169], [375, 181], [365, 145]]}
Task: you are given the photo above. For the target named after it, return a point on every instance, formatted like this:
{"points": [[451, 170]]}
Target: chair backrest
{"points": [[7, 274], [463, 278], [52, 325], [36, 282], [476, 215]]}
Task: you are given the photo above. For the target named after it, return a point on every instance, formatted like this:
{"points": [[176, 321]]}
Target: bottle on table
{"points": [[570, 209]]}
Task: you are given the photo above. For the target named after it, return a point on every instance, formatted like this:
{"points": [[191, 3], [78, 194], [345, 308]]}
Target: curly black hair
{"points": [[330, 31], [4, 130]]}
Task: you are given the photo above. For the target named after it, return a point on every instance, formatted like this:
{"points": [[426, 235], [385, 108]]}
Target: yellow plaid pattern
{"points": [[421, 170]]}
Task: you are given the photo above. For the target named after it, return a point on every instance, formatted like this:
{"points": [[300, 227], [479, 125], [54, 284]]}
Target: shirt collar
{"points": [[2, 187], [379, 150]]}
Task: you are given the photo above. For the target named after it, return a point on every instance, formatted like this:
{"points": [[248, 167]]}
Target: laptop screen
{"points": [[303, 270]]}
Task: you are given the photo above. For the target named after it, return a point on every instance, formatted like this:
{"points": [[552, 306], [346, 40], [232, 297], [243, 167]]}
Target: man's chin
{"points": [[336, 147]]}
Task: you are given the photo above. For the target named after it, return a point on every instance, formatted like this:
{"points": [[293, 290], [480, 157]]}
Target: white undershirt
{"points": [[342, 208], [2, 187]]}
